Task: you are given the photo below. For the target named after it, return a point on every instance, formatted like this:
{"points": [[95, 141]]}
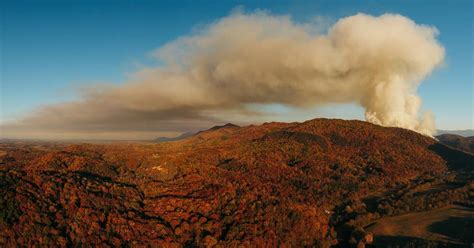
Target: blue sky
{"points": [[51, 48]]}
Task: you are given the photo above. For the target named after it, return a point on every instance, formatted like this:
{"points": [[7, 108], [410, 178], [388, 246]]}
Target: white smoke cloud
{"points": [[245, 60]]}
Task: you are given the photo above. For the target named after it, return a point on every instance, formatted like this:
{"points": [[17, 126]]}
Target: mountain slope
{"points": [[465, 144], [464, 133], [316, 183], [179, 137]]}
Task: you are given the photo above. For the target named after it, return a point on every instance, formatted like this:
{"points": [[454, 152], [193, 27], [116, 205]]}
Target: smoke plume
{"points": [[245, 60]]}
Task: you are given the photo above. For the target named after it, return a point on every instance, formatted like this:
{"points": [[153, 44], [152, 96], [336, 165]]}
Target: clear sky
{"points": [[50, 48]]}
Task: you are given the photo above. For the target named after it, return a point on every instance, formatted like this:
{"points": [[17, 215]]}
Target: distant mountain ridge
{"points": [[179, 137], [228, 125], [190, 134], [464, 133], [465, 144]]}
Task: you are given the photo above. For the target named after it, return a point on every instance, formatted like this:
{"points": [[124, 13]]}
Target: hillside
{"points": [[179, 137], [463, 133], [316, 183], [465, 144]]}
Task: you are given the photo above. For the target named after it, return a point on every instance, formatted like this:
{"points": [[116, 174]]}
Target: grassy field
{"points": [[453, 224]]}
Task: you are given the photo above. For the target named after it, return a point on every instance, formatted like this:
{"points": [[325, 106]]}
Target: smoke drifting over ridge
{"points": [[225, 68]]}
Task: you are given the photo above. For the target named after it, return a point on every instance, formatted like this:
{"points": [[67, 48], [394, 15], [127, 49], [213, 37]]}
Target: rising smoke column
{"points": [[228, 66]]}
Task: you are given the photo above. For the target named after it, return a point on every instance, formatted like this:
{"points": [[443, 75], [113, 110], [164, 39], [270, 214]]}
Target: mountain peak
{"points": [[228, 125]]}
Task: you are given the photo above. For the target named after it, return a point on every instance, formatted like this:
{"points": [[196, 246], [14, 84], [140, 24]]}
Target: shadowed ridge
{"points": [[179, 137], [455, 159], [465, 144], [191, 134], [228, 125]]}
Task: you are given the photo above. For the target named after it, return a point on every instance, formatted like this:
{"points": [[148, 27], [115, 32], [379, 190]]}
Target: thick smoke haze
{"points": [[225, 69]]}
